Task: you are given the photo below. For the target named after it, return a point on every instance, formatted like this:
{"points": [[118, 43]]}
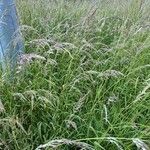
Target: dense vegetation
{"points": [[92, 89]]}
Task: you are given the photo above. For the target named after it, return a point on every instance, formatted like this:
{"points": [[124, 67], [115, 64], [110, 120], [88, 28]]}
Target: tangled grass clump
{"points": [[88, 87]]}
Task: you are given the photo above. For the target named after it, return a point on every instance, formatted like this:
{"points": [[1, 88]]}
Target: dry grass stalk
{"points": [[142, 93], [116, 142], [140, 144], [106, 114], [2, 109]]}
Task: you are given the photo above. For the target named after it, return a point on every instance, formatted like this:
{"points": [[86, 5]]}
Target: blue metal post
{"points": [[11, 45]]}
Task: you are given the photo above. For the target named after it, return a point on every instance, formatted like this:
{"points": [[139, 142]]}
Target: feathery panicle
{"points": [[112, 99], [110, 73], [106, 74], [71, 124], [26, 59], [79, 104], [57, 143]]}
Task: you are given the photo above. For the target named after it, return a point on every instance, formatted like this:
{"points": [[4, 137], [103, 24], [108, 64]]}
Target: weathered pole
{"points": [[11, 45]]}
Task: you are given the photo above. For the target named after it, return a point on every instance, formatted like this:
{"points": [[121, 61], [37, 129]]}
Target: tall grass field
{"points": [[84, 80]]}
